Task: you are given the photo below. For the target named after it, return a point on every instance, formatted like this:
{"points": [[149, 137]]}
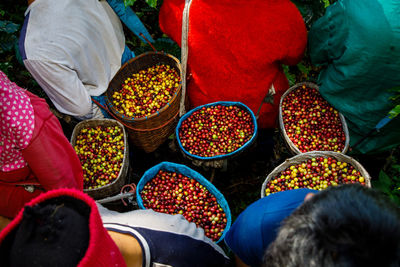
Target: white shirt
{"points": [[72, 48]]}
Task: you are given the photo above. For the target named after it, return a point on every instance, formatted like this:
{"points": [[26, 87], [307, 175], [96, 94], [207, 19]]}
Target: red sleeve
{"points": [[50, 156]]}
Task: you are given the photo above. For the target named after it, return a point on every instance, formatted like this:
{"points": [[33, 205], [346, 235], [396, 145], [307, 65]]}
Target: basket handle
{"points": [[128, 188], [130, 127], [269, 98], [184, 53], [144, 37]]}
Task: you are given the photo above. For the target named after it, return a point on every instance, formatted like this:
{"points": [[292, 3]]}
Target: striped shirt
{"points": [[166, 240]]}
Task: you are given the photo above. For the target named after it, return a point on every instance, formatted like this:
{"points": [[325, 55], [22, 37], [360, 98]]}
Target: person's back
{"points": [[72, 49], [357, 42], [236, 48]]}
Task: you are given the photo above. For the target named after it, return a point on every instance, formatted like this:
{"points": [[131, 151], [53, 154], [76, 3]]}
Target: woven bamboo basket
{"points": [[149, 132], [309, 155], [114, 187], [291, 146]]}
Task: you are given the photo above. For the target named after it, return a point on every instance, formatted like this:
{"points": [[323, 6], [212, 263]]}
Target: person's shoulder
{"points": [[268, 210], [279, 199]]}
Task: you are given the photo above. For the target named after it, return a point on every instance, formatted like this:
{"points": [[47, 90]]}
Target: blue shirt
{"points": [[257, 226]]}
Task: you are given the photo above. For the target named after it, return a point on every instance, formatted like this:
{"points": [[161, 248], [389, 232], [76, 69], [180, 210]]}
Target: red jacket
{"points": [[52, 163], [236, 49], [102, 250]]}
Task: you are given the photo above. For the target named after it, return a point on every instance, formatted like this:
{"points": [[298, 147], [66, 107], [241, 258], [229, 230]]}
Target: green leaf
{"points": [[395, 199], [303, 68], [396, 167], [384, 179], [171, 137], [290, 76], [7, 42], [5, 67], [162, 44], [384, 183], [8, 26], [152, 3], [129, 2], [311, 10], [396, 100], [395, 89], [394, 112], [396, 180], [326, 2], [378, 185]]}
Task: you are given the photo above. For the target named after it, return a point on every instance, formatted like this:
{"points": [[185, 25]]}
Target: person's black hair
{"points": [[52, 233], [349, 225]]}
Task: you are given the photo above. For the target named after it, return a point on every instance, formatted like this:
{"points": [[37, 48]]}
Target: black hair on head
{"points": [[349, 225]]}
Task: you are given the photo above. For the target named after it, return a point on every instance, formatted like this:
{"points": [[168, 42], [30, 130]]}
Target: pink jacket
{"points": [[50, 161]]}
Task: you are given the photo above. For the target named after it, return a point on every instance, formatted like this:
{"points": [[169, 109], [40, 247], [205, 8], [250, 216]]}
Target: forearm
{"points": [[63, 86]]}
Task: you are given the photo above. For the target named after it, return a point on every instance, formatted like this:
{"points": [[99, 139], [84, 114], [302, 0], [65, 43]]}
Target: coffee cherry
{"points": [[216, 130], [174, 193], [100, 150], [311, 123], [147, 91], [316, 173]]}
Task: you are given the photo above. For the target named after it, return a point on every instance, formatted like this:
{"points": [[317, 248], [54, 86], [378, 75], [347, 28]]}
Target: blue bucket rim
{"points": [[165, 165], [218, 157]]}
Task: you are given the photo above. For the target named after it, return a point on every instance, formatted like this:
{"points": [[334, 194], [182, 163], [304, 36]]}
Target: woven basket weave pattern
{"points": [[291, 146], [115, 186], [147, 133], [313, 154]]}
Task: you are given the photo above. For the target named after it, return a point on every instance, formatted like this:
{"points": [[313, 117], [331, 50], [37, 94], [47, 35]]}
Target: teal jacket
{"points": [[357, 42]]}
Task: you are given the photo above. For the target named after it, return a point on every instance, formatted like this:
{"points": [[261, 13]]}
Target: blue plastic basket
{"points": [[222, 103], [184, 170]]}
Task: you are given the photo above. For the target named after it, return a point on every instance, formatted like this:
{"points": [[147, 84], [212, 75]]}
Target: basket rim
{"points": [[294, 149], [164, 108], [125, 160], [201, 179], [307, 155], [217, 157]]}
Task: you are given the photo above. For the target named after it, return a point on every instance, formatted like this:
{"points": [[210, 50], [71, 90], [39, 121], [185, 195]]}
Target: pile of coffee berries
{"points": [[311, 123], [147, 91], [316, 173], [216, 130], [101, 151], [174, 193]]}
